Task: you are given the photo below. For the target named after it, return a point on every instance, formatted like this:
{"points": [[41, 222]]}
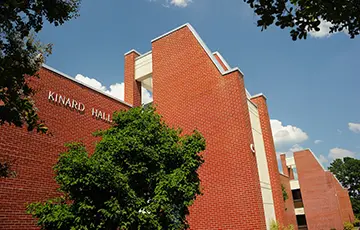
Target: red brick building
{"points": [[66, 105], [193, 88], [319, 200]]}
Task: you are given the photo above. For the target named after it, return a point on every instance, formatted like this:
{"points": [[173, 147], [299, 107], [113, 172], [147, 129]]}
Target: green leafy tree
{"points": [[21, 55], [284, 193], [303, 16], [5, 170], [347, 171], [142, 175]]}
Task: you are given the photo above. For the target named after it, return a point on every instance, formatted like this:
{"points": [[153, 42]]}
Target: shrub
{"points": [[284, 193], [356, 222], [348, 226], [274, 225]]}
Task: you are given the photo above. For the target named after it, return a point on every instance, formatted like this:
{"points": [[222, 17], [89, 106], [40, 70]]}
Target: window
{"points": [[298, 203], [295, 173], [296, 193], [301, 222]]}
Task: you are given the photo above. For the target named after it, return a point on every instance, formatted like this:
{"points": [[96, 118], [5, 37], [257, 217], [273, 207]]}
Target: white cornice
{"points": [[129, 52], [222, 59], [143, 55], [258, 95]]}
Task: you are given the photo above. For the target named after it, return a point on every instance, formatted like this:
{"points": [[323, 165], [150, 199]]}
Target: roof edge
{"points": [[171, 31], [259, 95], [83, 84], [282, 174], [236, 69], [326, 170], [130, 51], [248, 99], [143, 55], [204, 46], [317, 159], [222, 59]]}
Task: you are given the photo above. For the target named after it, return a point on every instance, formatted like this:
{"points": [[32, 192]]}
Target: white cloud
{"points": [[146, 96], [354, 127], [177, 3], [286, 135], [323, 160], [115, 90], [290, 151], [296, 148], [324, 30], [340, 153], [91, 82], [180, 3], [318, 141]]}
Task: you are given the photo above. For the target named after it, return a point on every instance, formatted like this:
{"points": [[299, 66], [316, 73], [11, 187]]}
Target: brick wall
{"points": [[260, 101], [347, 214], [132, 92], [191, 93], [220, 61], [34, 155], [289, 211], [285, 169], [318, 193]]}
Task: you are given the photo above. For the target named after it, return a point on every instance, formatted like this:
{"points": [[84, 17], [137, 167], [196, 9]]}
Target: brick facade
{"points": [[218, 58], [192, 89], [347, 214], [132, 94], [272, 162], [326, 203], [191, 93], [34, 155], [289, 211]]}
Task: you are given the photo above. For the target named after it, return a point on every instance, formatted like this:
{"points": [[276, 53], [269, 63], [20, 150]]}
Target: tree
{"points": [[5, 170], [21, 55], [142, 175], [347, 171], [284, 193], [303, 16]]}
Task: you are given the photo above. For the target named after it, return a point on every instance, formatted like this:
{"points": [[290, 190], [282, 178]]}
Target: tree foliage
{"points": [[303, 16], [284, 193], [5, 170], [142, 175], [21, 55], [347, 171]]}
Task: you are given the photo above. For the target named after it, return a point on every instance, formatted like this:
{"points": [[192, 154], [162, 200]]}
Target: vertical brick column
{"points": [[290, 217], [288, 171], [320, 193], [283, 165], [191, 93], [291, 174], [260, 101], [132, 87]]}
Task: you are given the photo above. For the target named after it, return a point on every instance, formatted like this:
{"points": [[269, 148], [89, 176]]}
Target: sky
{"points": [[312, 85]]}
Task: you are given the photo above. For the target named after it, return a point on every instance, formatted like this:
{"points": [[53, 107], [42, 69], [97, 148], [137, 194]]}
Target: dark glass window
{"points": [[296, 194], [301, 222]]}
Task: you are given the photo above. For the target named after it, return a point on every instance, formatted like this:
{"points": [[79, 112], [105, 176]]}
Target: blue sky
{"points": [[312, 86]]}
